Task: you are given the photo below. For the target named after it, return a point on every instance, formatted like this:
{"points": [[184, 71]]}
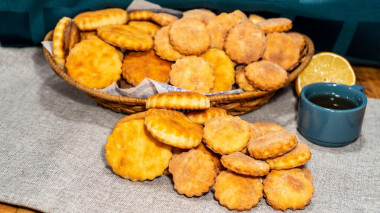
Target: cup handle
{"points": [[358, 87]]}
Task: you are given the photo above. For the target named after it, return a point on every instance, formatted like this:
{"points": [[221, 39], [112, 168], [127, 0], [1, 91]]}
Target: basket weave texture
{"points": [[235, 104]]}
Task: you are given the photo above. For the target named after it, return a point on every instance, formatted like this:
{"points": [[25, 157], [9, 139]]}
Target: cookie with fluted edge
{"points": [[241, 79], [245, 165], [214, 157], [178, 100], [255, 18], [126, 36], [203, 15], [297, 157], [224, 71], [241, 14], [164, 19], [288, 189], [140, 65], [192, 73], [193, 173], [271, 25], [266, 127], [245, 42], [163, 47], [134, 154], [298, 39], [272, 144], [136, 116], [189, 36], [145, 26], [226, 134], [238, 192], [94, 63], [91, 20], [140, 15], [266, 75], [202, 116], [173, 128], [65, 36]]}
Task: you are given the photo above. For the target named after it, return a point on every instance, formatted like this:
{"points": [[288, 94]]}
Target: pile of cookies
{"points": [[206, 148], [201, 51]]}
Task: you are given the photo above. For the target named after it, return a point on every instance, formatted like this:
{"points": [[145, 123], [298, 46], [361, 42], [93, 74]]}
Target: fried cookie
{"points": [[296, 189], [163, 47], [298, 39], [87, 34], [202, 116], [93, 19], [178, 100], [297, 157], [125, 36], [173, 128], [193, 173], [192, 73], [140, 15], [66, 35], [245, 165], [266, 75], [282, 50], [219, 26], [189, 36], [241, 80], [272, 144], [223, 69], [214, 157], [136, 116], [226, 134], [266, 127], [140, 65], [238, 192], [134, 154], [275, 25], [202, 15], [255, 18], [164, 19], [245, 43], [145, 26], [240, 14], [94, 63]]}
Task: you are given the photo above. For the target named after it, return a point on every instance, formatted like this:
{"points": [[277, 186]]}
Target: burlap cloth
{"points": [[52, 151]]}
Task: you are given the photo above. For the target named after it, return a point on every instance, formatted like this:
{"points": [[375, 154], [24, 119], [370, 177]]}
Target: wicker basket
{"points": [[235, 104]]}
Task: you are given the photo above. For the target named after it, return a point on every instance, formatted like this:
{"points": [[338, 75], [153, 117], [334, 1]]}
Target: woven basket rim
{"points": [[213, 98]]}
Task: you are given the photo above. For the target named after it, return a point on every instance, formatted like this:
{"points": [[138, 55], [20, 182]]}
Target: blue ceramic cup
{"points": [[331, 127]]}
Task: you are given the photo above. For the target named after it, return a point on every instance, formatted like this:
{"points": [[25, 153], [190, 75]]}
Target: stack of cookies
{"points": [[206, 149], [201, 51]]}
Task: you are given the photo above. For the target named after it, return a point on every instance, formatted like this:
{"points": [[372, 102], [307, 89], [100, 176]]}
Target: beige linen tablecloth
{"points": [[52, 139]]}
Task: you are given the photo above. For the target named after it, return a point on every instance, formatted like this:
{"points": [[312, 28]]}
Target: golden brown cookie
{"points": [[163, 47], [282, 50], [296, 189], [298, 39], [219, 26], [255, 18], [266, 127], [193, 172], [93, 19], [140, 65], [192, 73], [272, 145], [226, 134], [94, 63], [136, 116], [297, 157], [245, 42], [66, 35], [223, 69], [241, 80], [134, 154], [125, 36], [178, 100], [214, 157], [275, 25], [87, 34], [140, 15], [245, 165], [266, 75], [202, 116], [202, 15], [173, 128], [189, 36], [238, 192], [164, 19], [145, 26], [240, 14]]}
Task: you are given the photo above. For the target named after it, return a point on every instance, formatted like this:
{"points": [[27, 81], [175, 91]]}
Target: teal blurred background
{"points": [[349, 28]]}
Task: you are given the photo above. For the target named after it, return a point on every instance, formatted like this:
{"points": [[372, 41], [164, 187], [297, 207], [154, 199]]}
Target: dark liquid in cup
{"points": [[332, 102]]}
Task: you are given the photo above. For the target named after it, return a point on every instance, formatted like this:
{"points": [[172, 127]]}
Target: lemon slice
{"points": [[326, 67]]}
